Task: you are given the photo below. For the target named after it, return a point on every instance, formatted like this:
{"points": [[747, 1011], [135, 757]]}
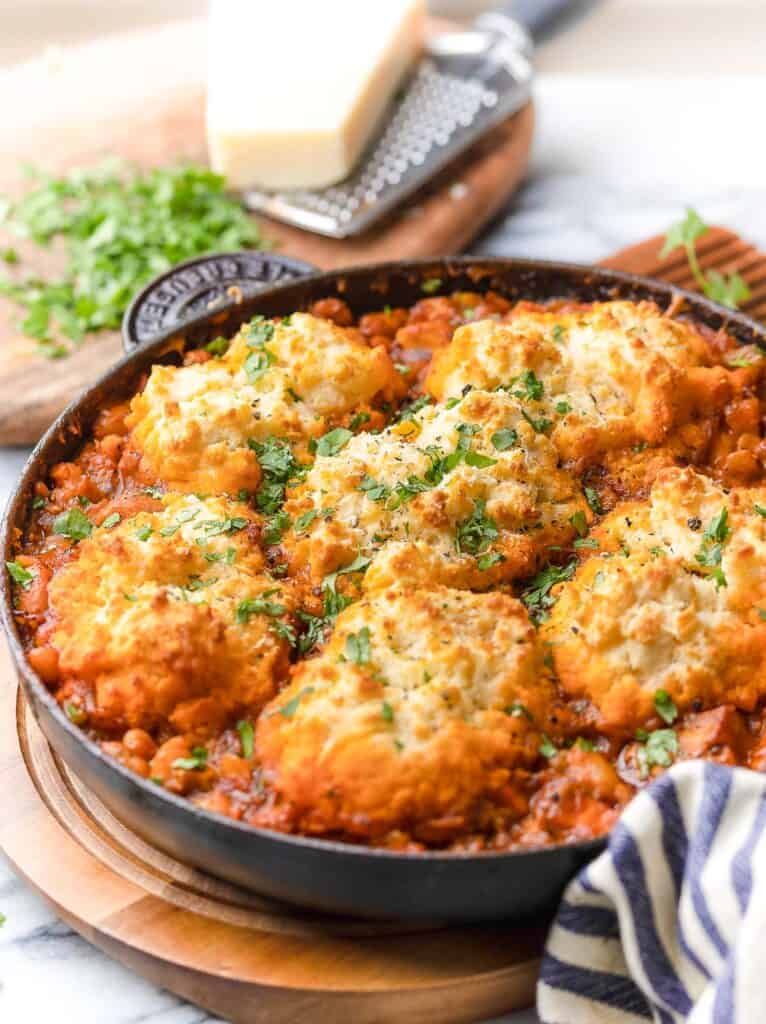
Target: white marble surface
{"points": [[591, 191]]}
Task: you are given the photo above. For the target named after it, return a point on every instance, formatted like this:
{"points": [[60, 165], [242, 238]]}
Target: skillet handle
{"points": [[201, 285]]}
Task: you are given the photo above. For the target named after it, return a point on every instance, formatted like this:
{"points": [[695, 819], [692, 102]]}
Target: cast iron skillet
{"points": [[314, 873]]}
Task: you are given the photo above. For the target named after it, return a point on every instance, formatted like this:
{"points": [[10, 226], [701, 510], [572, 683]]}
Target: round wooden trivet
{"points": [[241, 956]]}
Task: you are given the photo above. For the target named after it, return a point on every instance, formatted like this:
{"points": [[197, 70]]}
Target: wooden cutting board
{"points": [[149, 109]]}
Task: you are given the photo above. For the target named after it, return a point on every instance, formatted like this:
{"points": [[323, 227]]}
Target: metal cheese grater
{"points": [[467, 83]]}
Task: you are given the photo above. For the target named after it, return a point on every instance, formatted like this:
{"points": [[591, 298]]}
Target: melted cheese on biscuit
{"points": [[673, 602], [291, 379], [407, 717], [150, 613], [466, 493], [611, 375]]}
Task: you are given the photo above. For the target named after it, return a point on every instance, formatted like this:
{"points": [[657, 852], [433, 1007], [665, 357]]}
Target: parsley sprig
{"points": [[728, 289], [120, 227]]}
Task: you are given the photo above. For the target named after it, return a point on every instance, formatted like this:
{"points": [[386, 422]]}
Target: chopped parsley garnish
{"points": [[547, 748], [305, 520], [504, 439], [19, 574], [285, 632], [387, 711], [452, 402], [246, 732], [144, 532], [227, 556], [760, 510], [375, 491], [334, 442], [111, 520], [216, 527], [431, 285], [665, 707], [562, 408], [479, 461], [120, 226], [197, 762], [477, 532], [275, 458], [74, 713], [558, 333], [39, 502], [358, 420], [585, 542], [359, 564], [279, 467], [409, 410], [357, 647], [218, 346], [257, 363], [579, 522], [660, 748], [518, 710], [288, 710], [274, 527], [314, 632], [584, 744], [488, 560], [250, 606], [73, 524], [537, 596], [539, 425], [184, 516], [593, 499], [406, 490], [259, 331], [711, 549], [531, 389]]}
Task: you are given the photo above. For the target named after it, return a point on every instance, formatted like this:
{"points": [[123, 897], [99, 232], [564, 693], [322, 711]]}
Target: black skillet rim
{"points": [[17, 508]]}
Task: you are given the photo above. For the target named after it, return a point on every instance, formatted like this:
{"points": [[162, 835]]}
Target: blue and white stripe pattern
{"points": [[669, 923]]}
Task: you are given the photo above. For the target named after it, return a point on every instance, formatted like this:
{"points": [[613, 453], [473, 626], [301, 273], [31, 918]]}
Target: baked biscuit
{"points": [[413, 717], [609, 376], [169, 617], [466, 493], [674, 600], [289, 379]]}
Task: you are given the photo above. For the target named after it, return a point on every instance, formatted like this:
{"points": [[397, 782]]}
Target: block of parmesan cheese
{"points": [[296, 88]]}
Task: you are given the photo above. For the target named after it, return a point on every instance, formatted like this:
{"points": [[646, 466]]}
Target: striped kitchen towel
{"points": [[669, 923]]}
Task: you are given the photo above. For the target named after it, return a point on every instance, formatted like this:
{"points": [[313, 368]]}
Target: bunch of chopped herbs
{"points": [[119, 226]]}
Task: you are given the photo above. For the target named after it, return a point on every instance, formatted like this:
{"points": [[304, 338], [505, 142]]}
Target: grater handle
{"points": [[537, 16], [200, 286]]}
